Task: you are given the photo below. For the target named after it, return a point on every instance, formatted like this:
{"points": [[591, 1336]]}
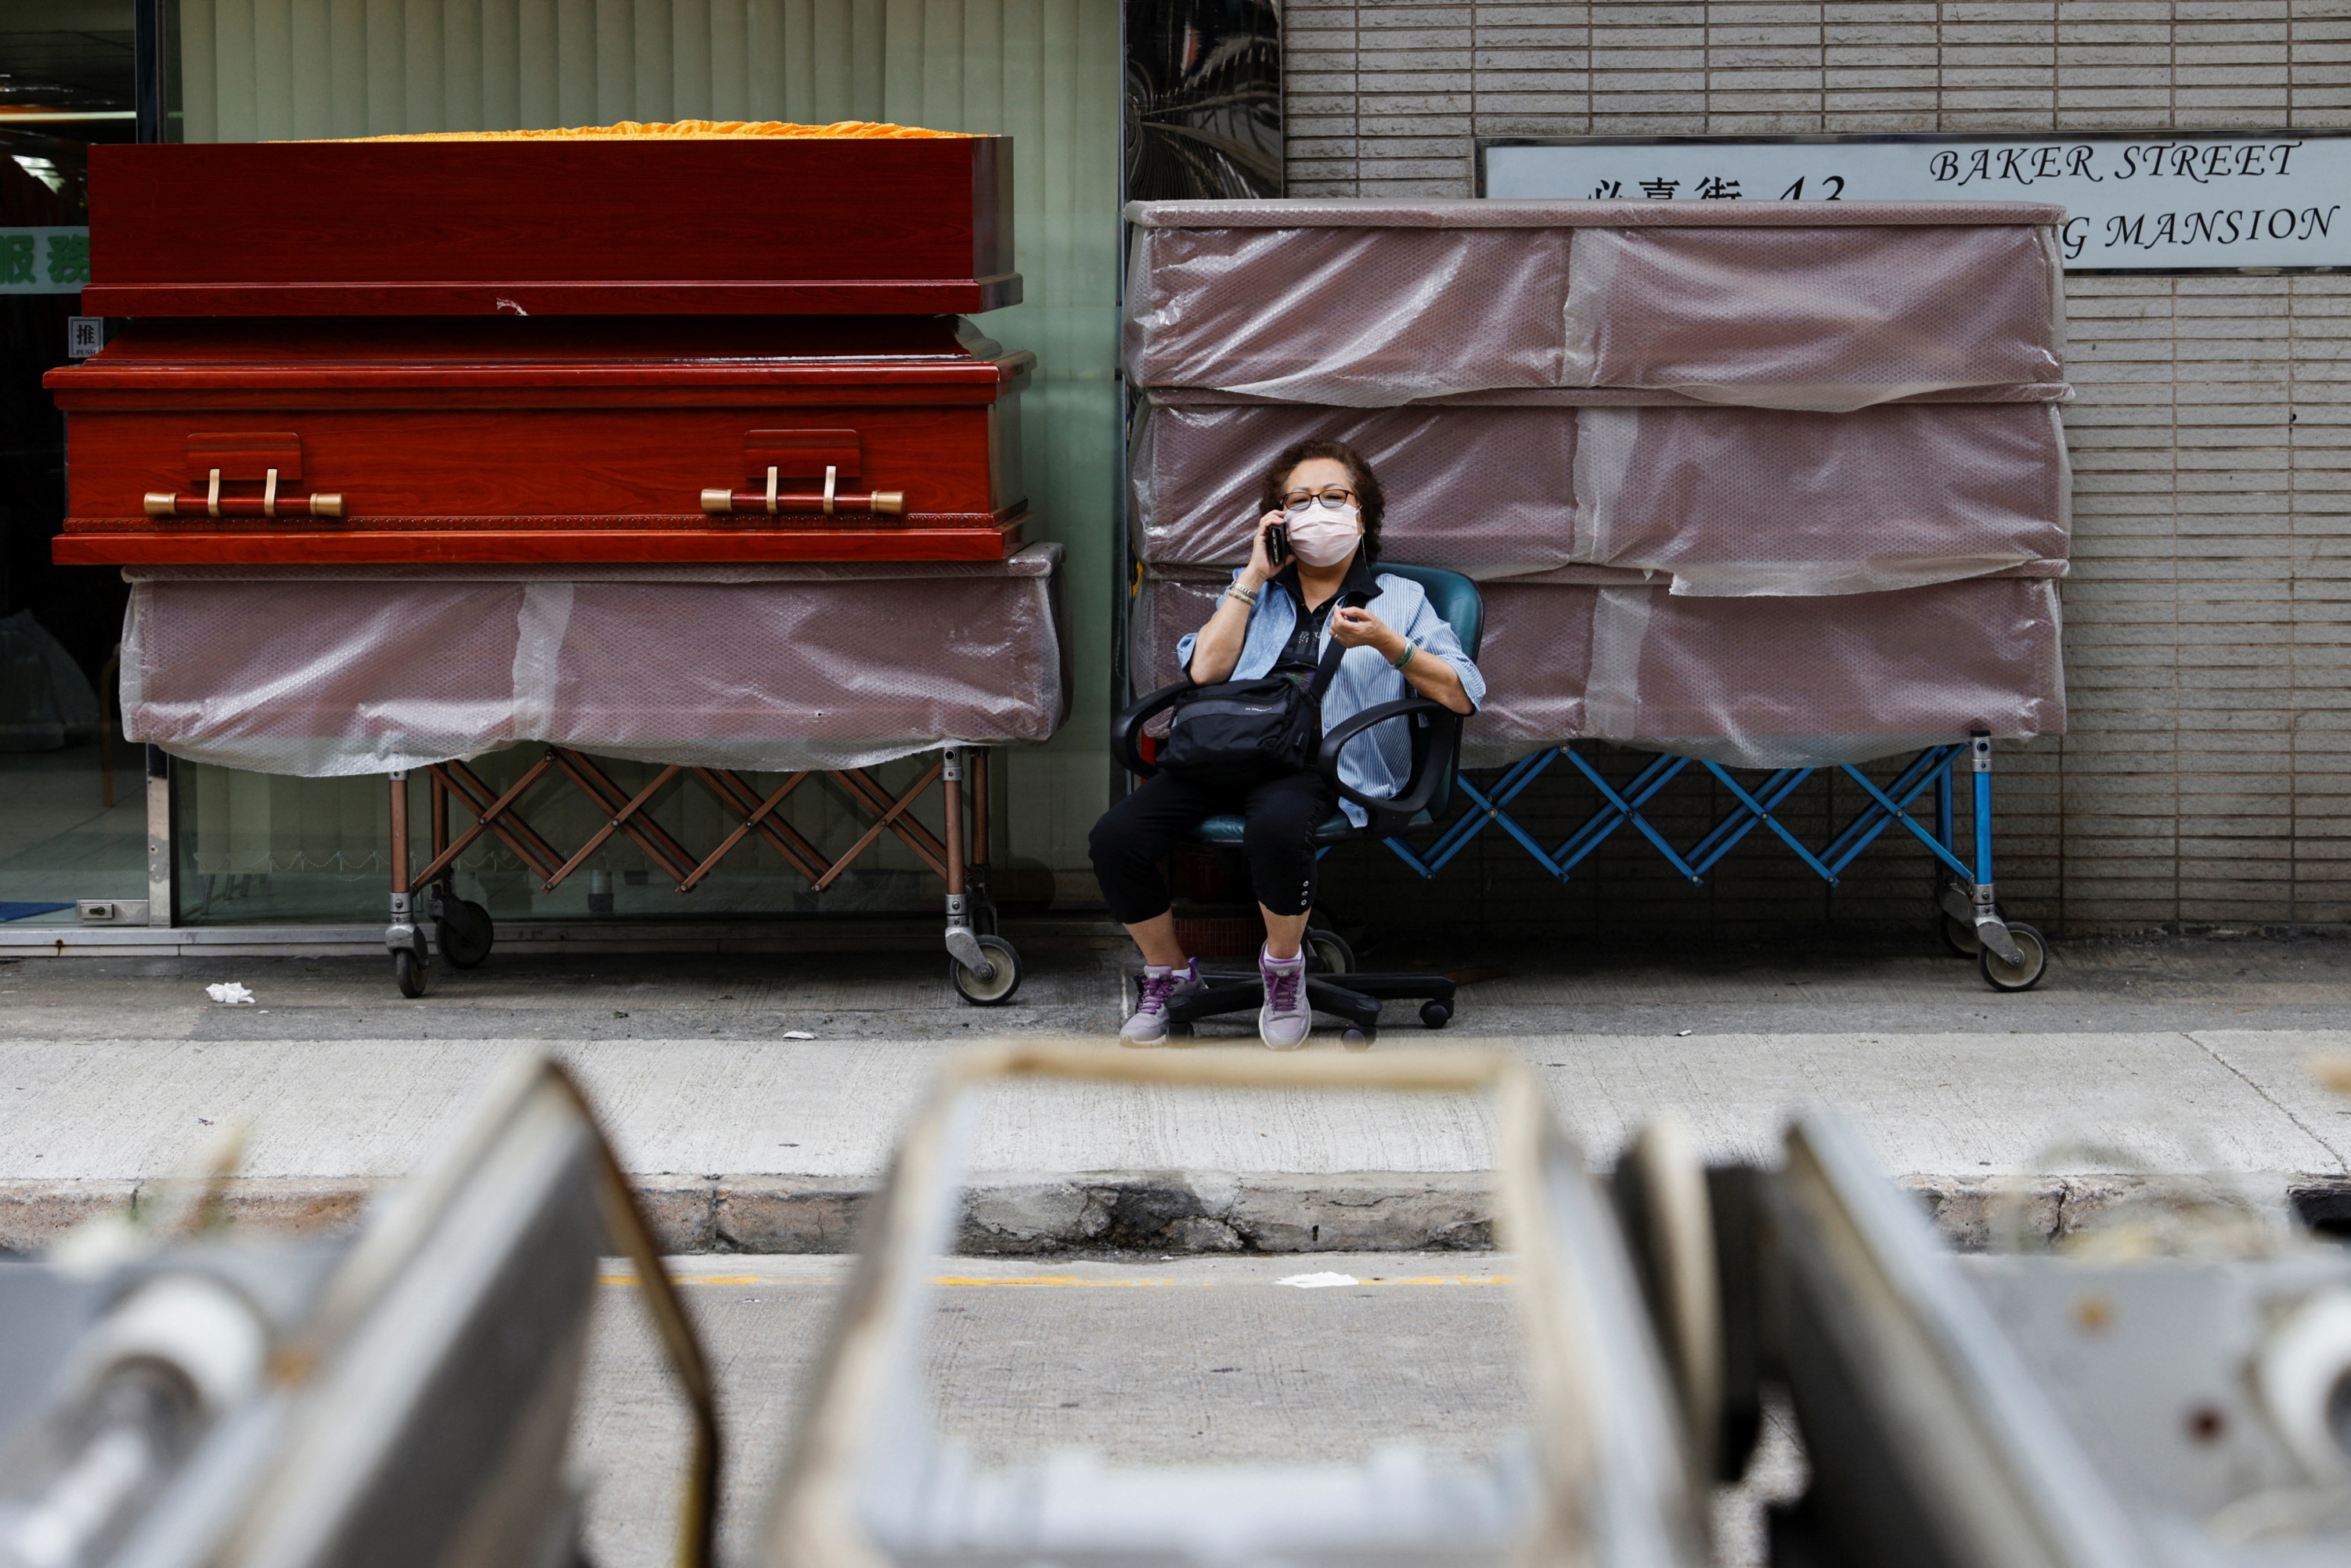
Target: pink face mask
{"points": [[1323, 536]]}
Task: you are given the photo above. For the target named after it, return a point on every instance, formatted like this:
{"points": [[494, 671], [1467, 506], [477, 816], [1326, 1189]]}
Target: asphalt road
{"points": [[1187, 1361]]}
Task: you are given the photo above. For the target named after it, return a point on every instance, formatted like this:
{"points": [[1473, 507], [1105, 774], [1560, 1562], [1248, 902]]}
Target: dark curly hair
{"points": [[1369, 499]]}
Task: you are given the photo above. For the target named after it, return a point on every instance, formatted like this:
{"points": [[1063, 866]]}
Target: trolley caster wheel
{"points": [[1327, 953], [464, 932], [2004, 975], [411, 973], [1358, 1037], [998, 987], [1960, 936], [1435, 1014]]}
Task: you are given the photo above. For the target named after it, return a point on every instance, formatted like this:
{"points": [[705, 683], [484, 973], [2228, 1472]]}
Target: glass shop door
{"points": [[73, 814]]}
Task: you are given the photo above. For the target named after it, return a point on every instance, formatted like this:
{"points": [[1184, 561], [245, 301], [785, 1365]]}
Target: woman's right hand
{"points": [[1262, 566]]}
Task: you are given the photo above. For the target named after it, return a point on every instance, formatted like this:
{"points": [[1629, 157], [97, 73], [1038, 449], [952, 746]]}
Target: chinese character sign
{"points": [[43, 261], [2154, 203]]}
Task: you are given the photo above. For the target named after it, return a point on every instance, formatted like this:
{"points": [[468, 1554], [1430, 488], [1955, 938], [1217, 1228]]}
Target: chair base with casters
{"points": [[1332, 986]]}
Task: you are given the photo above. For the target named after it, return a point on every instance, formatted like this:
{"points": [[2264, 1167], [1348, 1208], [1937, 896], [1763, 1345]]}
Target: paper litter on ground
{"points": [[1319, 1282], [798, 1034], [230, 991]]}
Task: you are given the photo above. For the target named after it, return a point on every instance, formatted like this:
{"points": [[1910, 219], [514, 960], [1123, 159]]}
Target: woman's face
{"points": [[1325, 523], [1315, 476]]}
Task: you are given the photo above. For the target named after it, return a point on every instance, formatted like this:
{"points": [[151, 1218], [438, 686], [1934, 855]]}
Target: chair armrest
{"points": [[1390, 815], [1126, 729]]}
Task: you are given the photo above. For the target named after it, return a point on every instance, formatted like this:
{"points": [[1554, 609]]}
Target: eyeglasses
{"points": [[1333, 496]]}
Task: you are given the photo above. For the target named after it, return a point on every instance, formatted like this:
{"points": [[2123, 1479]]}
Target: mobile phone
{"points": [[1277, 543]]}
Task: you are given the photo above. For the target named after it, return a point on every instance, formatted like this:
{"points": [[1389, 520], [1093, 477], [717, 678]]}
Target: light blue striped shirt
{"points": [[1380, 762]]}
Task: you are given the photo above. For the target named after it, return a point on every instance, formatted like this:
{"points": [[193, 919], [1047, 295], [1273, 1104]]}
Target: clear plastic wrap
{"points": [[320, 672], [1354, 316], [1749, 682], [1775, 682], [1726, 501], [1480, 487], [1827, 319], [1754, 501], [1380, 303]]}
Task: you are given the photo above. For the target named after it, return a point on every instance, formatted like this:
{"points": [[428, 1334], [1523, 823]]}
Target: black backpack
{"points": [[1239, 733]]}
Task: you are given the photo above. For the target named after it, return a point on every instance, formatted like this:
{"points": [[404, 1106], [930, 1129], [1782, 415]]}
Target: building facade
{"points": [[2205, 780]]}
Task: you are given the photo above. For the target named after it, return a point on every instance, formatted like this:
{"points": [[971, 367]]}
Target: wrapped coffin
{"points": [[1749, 682], [283, 669], [1723, 500], [1812, 305]]}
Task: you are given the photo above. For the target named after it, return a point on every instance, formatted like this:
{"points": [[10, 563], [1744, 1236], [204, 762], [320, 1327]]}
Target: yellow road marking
{"points": [[1062, 1281]]}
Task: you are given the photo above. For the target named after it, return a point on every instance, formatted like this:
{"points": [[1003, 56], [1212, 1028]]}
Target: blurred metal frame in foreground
{"points": [[1611, 1477], [401, 1400], [2175, 1394]]}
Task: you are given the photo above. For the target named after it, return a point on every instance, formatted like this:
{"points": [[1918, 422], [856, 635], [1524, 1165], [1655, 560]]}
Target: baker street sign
{"points": [[2134, 203]]}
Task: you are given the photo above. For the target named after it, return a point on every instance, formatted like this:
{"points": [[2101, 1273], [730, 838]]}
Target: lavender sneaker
{"points": [[1161, 987], [1285, 1019]]}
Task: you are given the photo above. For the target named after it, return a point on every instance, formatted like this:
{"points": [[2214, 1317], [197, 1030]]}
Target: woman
{"points": [[1276, 618]]}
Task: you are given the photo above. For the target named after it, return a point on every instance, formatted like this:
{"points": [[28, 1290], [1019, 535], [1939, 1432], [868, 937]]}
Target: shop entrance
{"points": [[72, 795]]}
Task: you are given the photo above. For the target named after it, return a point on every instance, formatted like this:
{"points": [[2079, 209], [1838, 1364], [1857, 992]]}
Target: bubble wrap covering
{"points": [[321, 673], [1802, 305], [1749, 682], [1725, 501]]}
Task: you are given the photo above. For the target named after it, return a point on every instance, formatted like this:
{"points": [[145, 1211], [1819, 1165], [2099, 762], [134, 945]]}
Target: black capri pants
{"points": [[1133, 836]]}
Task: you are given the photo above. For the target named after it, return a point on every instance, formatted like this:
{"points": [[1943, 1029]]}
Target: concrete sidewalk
{"points": [[2159, 1058]]}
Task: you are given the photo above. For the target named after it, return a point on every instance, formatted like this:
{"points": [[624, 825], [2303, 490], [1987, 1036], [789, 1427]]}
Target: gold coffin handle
{"points": [[720, 503], [321, 504]]}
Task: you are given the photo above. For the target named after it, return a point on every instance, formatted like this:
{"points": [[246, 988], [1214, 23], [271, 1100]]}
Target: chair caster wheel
{"points": [[2002, 975], [411, 973], [1435, 1014], [1358, 1038]]}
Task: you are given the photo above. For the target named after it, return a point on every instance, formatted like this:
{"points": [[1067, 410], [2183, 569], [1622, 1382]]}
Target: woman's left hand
{"points": [[1431, 677], [1362, 629]]}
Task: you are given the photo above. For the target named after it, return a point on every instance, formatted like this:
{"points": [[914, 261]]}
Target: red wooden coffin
{"points": [[708, 225], [543, 439]]}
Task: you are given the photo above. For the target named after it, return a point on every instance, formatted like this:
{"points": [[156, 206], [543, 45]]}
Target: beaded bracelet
{"points": [[1244, 595]]}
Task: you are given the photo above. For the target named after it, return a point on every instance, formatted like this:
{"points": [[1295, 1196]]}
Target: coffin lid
{"points": [[725, 225]]}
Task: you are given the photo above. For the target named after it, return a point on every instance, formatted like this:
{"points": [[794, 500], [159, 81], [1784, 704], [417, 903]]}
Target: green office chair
{"points": [[1436, 756]]}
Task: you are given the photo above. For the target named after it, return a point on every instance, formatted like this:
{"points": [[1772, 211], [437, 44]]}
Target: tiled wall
{"points": [[2207, 780]]}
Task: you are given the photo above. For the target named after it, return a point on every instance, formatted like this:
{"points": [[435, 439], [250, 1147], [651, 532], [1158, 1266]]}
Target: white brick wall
{"points": [[2207, 780]]}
